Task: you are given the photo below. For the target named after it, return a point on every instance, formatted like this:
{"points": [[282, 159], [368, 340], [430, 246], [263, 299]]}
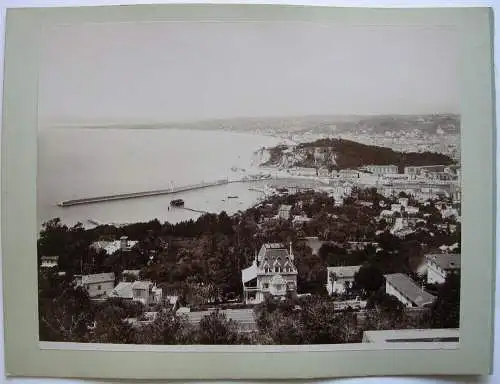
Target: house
{"points": [[272, 272], [124, 244], [446, 337], [284, 212], [407, 291], [96, 285], [388, 216], [338, 278], [146, 292], [49, 262], [439, 266], [142, 291]]}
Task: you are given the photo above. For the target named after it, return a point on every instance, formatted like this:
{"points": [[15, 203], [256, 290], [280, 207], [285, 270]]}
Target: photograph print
{"points": [[248, 183]]}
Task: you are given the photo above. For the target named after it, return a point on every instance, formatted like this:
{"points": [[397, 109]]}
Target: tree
{"points": [[368, 279], [111, 327], [64, 311], [217, 329], [333, 278], [167, 329], [445, 312]]}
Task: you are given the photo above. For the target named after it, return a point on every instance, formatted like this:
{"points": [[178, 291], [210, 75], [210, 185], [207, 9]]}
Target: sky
{"points": [[181, 71]]}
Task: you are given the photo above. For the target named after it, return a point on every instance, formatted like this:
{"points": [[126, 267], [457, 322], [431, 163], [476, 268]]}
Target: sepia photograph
{"points": [[248, 183]]}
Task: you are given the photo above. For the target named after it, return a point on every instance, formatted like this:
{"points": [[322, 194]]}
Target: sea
{"points": [[77, 162]]}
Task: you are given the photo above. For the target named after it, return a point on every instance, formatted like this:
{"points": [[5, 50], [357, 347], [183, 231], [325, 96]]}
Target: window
{"points": [[265, 285], [98, 287]]}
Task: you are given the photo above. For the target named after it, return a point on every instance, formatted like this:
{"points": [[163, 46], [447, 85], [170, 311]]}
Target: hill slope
{"points": [[344, 154]]}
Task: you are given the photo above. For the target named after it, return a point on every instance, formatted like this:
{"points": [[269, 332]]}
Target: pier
{"points": [[134, 195]]}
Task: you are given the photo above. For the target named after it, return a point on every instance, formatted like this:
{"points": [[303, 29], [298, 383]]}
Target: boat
{"points": [[177, 203], [232, 197]]}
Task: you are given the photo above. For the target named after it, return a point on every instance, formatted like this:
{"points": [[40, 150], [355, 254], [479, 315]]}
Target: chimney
{"points": [[291, 252], [123, 243]]}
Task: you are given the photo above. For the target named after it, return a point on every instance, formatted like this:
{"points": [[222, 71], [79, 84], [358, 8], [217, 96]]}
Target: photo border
{"points": [[23, 355]]}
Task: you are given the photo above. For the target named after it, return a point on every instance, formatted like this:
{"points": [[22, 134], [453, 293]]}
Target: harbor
{"points": [[125, 196]]}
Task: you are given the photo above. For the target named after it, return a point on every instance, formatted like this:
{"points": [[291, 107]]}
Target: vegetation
{"points": [[201, 261], [345, 154]]}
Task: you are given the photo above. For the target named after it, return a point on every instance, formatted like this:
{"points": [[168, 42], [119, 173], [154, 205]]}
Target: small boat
{"points": [[232, 197], [177, 203]]}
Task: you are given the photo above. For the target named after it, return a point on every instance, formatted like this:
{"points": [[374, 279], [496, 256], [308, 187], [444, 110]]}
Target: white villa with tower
{"points": [[272, 272]]}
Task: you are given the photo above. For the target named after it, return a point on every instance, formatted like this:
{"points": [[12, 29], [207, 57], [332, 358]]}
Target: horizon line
{"points": [[144, 120]]}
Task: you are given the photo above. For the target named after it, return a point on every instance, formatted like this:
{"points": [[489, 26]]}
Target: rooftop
{"points": [[410, 289], [122, 290], [344, 271], [98, 278], [249, 273], [273, 254], [142, 284]]}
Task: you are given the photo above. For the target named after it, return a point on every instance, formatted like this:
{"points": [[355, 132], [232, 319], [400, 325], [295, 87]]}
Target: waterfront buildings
{"points": [[381, 170], [407, 291], [340, 278], [272, 272], [439, 266]]}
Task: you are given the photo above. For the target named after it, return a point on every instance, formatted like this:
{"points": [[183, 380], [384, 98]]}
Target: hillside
{"points": [[344, 154]]}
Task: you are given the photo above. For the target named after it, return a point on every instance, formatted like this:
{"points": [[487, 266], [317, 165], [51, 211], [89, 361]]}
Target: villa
{"points": [[272, 272]]}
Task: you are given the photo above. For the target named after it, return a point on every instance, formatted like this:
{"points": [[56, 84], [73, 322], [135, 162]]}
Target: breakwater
{"points": [[124, 196]]}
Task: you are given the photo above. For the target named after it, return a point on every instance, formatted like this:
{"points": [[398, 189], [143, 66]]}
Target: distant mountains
{"points": [[328, 125], [344, 154]]}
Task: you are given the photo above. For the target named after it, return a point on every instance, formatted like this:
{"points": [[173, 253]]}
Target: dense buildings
{"points": [[320, 258]]}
